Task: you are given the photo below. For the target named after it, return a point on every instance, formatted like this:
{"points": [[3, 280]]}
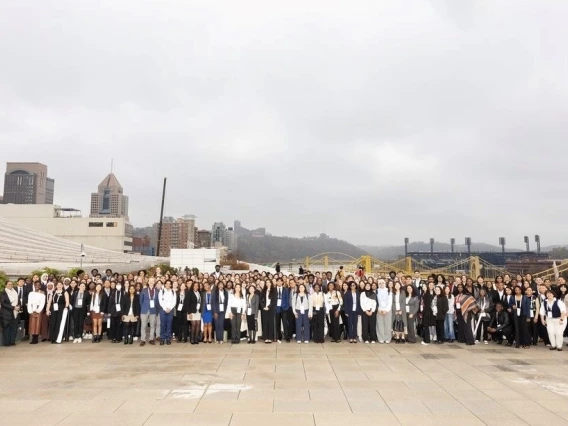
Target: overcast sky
{"points": [[370, 121]]}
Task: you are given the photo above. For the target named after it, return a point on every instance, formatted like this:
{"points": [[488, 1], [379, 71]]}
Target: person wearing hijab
{"points": [[10, 313], [36, 305], [57, 309], [369, 316], [384, 313]]}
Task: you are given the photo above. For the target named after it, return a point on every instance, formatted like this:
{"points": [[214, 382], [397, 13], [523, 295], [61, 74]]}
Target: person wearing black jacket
{"points": [[428, 317], [219, 309], [181, 325], [80, 303], [115, 311], [441, 309], [268, 300], [499, 326], [130, 309]]}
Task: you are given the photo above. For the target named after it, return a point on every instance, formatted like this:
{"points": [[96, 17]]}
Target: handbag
{"points": [[88, 321]]}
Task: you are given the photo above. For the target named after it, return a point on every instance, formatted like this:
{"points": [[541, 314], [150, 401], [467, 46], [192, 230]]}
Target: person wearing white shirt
{"points": [[302, 307], [553, 315], [36, 303], [167, 300], [384, 316], [237, 308]]}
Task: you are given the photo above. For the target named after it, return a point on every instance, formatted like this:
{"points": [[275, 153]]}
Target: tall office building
{"points": [[110, 200], [27, 183], [176, 234], [223, 237]]}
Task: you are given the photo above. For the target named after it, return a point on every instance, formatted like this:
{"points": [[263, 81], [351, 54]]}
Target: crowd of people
{"points": [[256, 306]]}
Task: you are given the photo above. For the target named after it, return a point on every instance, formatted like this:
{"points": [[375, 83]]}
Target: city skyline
{"points": [[364, 122]]}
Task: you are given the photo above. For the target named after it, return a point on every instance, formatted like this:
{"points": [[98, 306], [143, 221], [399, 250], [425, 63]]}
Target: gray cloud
{"points": [[370, 122]]}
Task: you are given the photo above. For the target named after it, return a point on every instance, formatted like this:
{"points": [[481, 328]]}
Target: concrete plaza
{"points": [[286, 384]]}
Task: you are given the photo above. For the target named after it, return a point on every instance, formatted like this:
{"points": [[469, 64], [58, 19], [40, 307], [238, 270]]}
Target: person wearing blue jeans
{"points": [[167, 300], [449, 334], [302, 306], [219, 307], [352, 305]]}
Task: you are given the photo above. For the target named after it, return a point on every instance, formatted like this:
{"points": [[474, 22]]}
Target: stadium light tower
{"points": [[527, 243], [537, 241], [406, 241], [431, 245], [452, 243], [468, 244], [502, 244]]}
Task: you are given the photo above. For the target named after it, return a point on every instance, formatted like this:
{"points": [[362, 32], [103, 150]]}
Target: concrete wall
{"points": [[202, 259]]}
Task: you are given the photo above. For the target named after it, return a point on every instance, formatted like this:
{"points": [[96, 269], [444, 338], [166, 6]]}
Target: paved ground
{"points": [[288, 384]]}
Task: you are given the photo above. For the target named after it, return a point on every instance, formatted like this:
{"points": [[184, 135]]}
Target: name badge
{"points": [[209, 306], [407, 309], [279, 302], [518, 312], [482, 315], [108, 322], [302, 311], [239, 310], [458, 305], [532, 313], [80, 303], [354, 307], [118, 307], [152, 304], [55, 307], [180, 306], [222, 307], [198, 306], [249, 311], [549, 313], [317, 308]]}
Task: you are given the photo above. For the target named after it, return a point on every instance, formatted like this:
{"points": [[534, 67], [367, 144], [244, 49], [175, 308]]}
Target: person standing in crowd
{"points": [[194, 309], [369, 316], [97, 312], [520, 311], [80, 301], [352, 306], [333, 302], [57, 310], [318, 313], [148, 312], [428, 316], [282, 307], [237, 306], [440, 310], [182, 316], [253, 304], [303, 313], [220, 307], [36, 305], [399, 317], [468, 308], [167, 302], [207, 313], [411, 307], [384, 315], [484, 316], [267, 306], [553, 315], [130, 308], [114, 310], [533, 317], [449, 333], [10, 313]]}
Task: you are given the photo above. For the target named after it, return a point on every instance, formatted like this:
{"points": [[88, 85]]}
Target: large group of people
{"points": [[257, 306]]}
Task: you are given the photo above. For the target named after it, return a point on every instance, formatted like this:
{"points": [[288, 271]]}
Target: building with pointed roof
{"points": [[109, 201]]}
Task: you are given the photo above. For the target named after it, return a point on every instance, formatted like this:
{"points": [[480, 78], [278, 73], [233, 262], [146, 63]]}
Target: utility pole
{"points": [[161, 219]]}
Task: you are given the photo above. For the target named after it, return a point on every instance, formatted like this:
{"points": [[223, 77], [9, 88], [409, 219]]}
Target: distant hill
{"points": [[394, 252], [270, 249]]}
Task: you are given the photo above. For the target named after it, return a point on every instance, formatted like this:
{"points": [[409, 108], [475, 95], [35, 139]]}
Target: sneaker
{"points": [[367, 342], [485, 342], [298, 342], [306, 342], [74, 340], [135, 339], [79, 340], [424, 343], [476, 342], [380, 341], [279, 341], [373, 342]]}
